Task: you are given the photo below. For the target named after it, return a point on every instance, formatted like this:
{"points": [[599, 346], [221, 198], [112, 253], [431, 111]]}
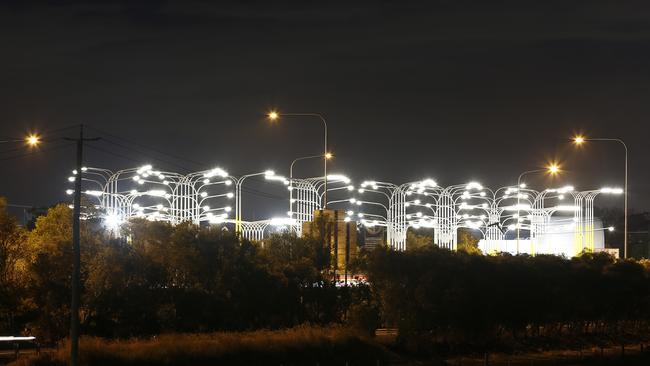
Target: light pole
{"points": [[274, 115], [76, 250], [268, 174], [327, 157], [551, 169], [33, 140], [579, 140]]}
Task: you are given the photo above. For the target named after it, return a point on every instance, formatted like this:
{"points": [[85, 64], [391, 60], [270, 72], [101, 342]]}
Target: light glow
{"points": [[33, 140], [578, 140]]}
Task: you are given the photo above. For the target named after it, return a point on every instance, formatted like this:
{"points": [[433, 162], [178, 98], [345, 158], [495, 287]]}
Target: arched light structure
{"points": [[210, 196]]}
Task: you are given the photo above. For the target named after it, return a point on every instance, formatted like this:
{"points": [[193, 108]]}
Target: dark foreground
{"points": [[303, 346]]}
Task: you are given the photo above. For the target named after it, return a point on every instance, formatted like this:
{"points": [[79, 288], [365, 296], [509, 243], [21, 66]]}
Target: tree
{"points": [[467, 242], [50, 266], [416, 239], [13, 274]]}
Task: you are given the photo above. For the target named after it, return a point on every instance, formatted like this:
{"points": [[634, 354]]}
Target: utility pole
{"points": [[76, 251]]}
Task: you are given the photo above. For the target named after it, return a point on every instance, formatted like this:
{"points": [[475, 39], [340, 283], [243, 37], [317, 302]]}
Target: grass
{"points": [[296, 346]]}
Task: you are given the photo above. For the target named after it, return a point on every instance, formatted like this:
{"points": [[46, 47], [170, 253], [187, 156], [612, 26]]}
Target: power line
{"points": [[39, 151], [149, 148], [135, 160], [47, 132]]}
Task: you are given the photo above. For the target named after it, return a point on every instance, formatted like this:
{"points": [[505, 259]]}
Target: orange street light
{"points": [[274, 115], [33, 140], [553, 169], [579, 140]]}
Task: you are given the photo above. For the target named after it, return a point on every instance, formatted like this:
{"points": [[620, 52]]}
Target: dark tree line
{"points": [[158, 278], [460, 297]]}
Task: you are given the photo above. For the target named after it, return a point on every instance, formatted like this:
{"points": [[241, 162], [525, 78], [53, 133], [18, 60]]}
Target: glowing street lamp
{"points": [[327, 157], [579, 140], [32, 140], [552, 169], [275, 115]]}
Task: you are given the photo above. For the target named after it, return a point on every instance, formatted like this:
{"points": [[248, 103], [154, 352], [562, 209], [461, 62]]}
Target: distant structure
{"points": [[498, 216], [559, 239]]}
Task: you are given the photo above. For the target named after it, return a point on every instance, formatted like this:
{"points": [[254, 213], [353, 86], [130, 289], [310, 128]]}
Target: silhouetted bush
{"points": [[456, 297]]}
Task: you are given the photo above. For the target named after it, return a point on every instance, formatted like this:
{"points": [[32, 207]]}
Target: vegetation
{"points": [[158, 278], [455, 298], [162, 279], [301, 345]]}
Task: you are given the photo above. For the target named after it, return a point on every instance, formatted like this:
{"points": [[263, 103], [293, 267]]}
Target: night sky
{"points": [[452, 90]]}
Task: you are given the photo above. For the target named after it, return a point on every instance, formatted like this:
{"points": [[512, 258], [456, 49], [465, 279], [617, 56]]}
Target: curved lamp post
{"points": [[327, 156], [274, 116], [552, 169], [578, 141]]}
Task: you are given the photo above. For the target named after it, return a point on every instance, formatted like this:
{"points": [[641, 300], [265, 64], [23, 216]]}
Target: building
{"points": [[560, 238]]}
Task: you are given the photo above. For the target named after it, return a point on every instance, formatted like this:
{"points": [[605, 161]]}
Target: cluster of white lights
{"points": [[611, 190], [565, 189], [216, 172], [338, 178], [464, 205]]}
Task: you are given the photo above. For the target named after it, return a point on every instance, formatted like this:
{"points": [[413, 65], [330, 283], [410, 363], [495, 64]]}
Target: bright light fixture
{"points": [[33, 140], [338, 177], [553, 168]]}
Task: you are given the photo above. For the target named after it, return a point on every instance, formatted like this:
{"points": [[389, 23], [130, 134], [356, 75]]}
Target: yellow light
{"points": [[273, 115], [328, 156], [32, 140], [553, 169], [578, 140]]}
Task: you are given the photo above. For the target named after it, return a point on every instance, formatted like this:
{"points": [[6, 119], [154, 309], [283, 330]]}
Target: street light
{"points": [[552, 169], [327, 157], [275, 115], [579, 140], [268, 175], [31, 140]]}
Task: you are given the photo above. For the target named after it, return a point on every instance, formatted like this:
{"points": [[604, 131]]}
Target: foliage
{"points": [[421, 238], [157, 278], [13, 279], [459, 297], [162, 278], [301, 345], [416, 239], [467, 242]]}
